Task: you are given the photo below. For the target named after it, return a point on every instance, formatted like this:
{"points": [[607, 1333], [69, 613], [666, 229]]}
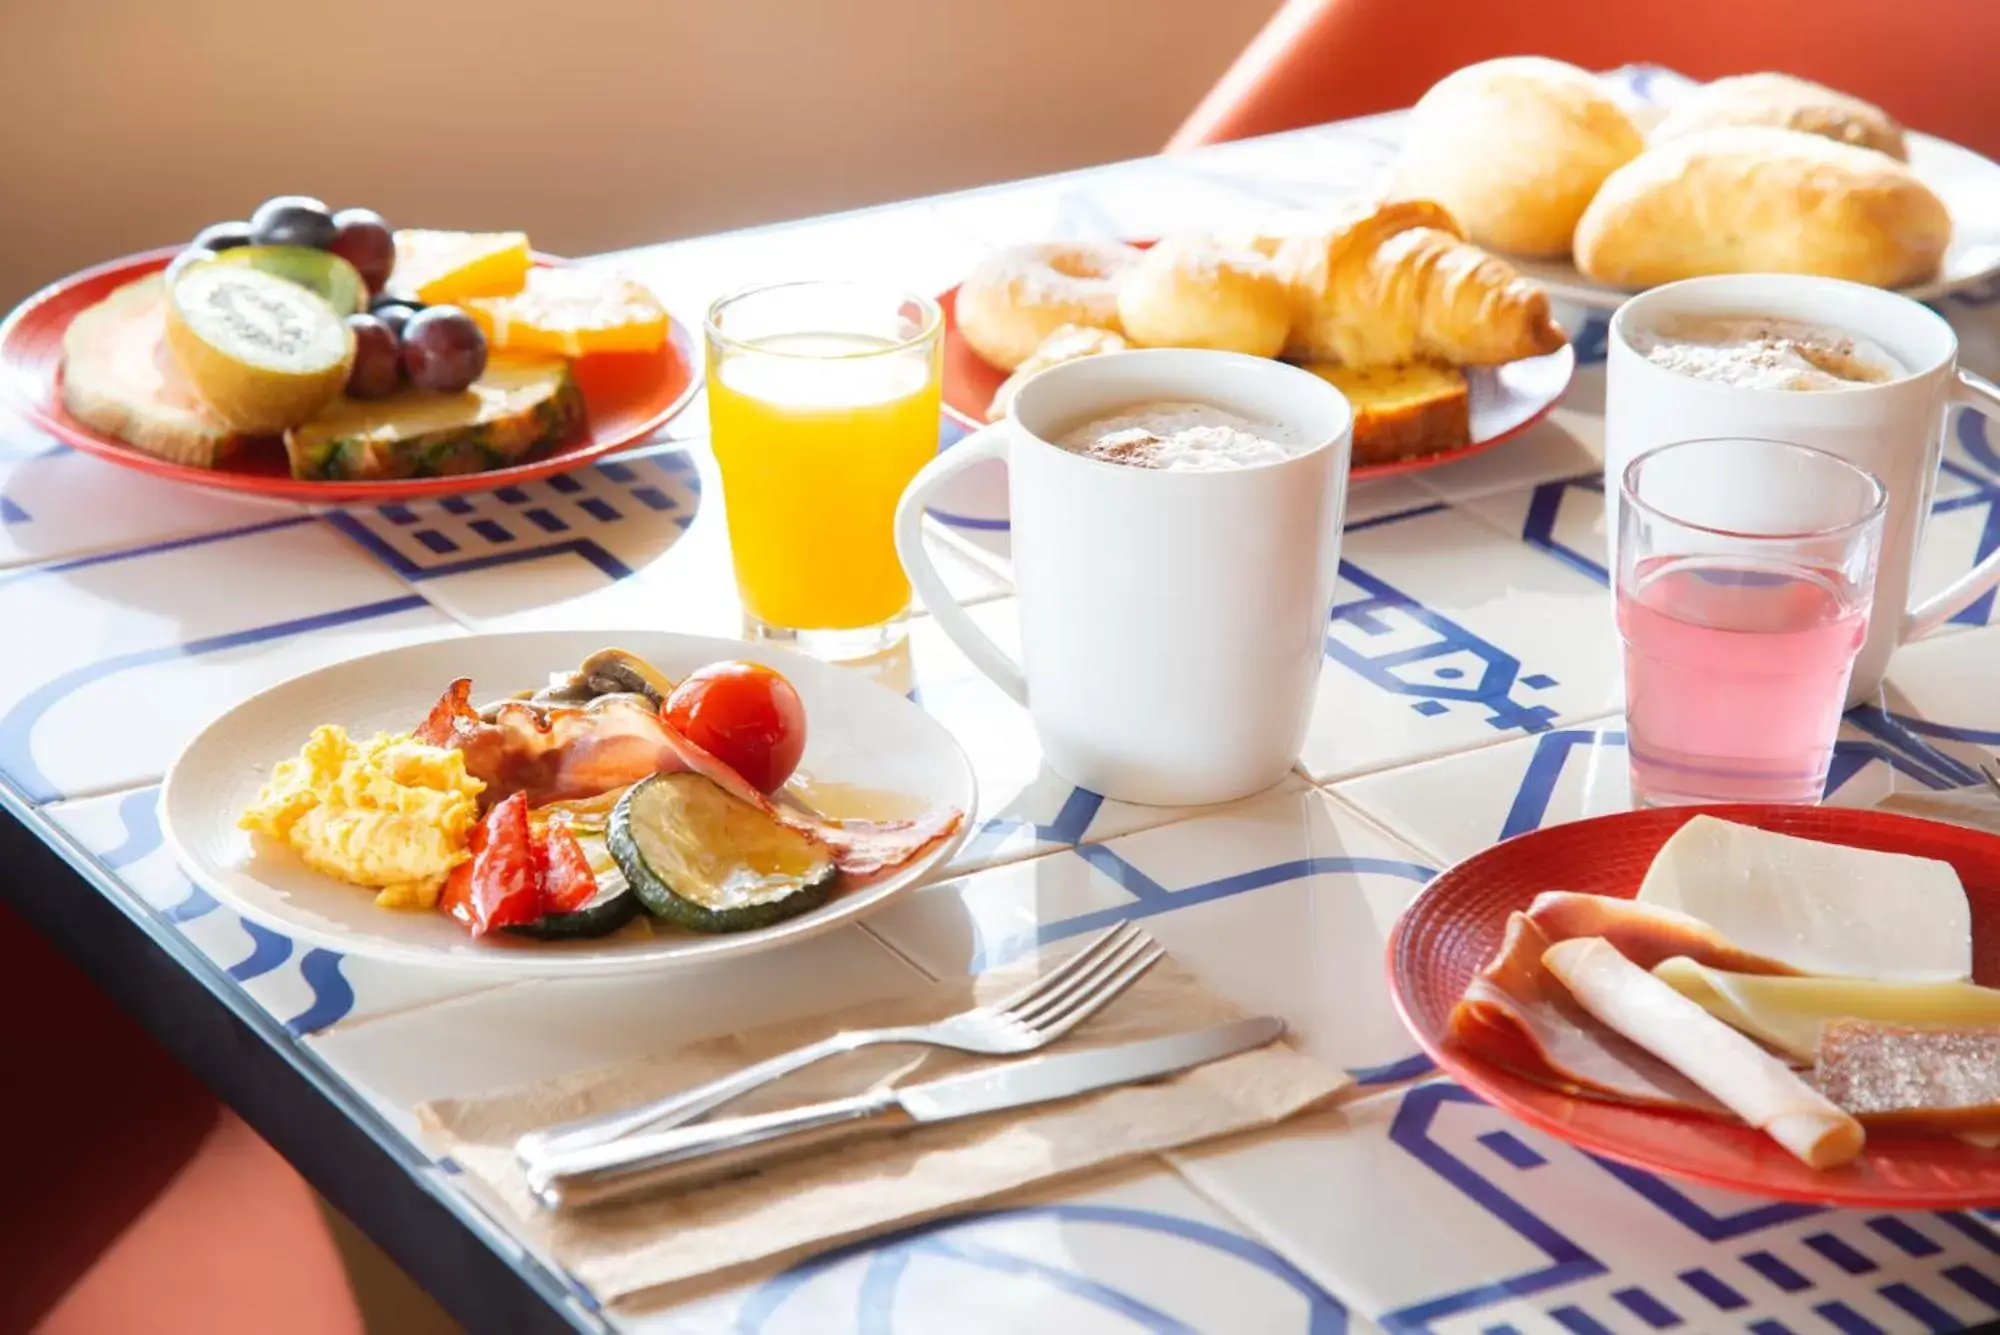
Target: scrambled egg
{"points": [[391, 814]]}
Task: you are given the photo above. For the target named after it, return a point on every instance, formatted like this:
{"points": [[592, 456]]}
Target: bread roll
{"points": [[1786, 103], [1183, 293], [1515, 148], [1748, 200]]}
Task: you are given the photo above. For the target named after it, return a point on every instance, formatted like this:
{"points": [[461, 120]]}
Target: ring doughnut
{"points": [[1188, 294], [1017, 297]]}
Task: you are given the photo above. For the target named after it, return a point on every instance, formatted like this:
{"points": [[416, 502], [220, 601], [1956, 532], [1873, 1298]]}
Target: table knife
{"points": [[687, 1155]]}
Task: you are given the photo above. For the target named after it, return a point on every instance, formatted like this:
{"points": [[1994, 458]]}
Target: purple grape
{"points": [[223, 236], [395, 314], [292, 220], [444, 350], [378, 359], [365, 241]]}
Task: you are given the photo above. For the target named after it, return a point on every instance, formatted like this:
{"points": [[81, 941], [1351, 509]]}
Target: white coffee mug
{"points": [[1172, 623], [1894, 429]]}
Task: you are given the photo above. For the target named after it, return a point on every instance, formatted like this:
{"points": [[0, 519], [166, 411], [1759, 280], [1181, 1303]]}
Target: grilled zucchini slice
{"points": [[709, 862]]}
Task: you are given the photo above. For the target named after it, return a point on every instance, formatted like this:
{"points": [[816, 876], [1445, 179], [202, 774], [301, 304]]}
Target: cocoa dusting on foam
{"points": [[1182, 437], [1759, 352]]}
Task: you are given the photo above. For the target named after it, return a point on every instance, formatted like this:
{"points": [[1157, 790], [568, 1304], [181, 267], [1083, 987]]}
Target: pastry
{"points": [[1017, 297], [1755, 200], [1184, 293], [1403, 412], [1785, 103], [1067, 344], [1515, 148], [1396, 282]]}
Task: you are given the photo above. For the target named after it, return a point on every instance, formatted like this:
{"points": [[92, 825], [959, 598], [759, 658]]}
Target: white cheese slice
{"points": [[1820, 908]]}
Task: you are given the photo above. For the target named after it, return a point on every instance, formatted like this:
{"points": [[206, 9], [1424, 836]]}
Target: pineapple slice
{"points": [[434, 267], [573, 313]]}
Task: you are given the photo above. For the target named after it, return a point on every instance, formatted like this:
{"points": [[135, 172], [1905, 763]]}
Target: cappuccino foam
{"points": [[1762, 352], [1184, 437]]}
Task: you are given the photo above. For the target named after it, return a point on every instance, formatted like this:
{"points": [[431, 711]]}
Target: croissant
{"points": [[1398, 282]]}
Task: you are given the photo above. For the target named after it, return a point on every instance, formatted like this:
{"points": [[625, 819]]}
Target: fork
{"points": [[1026, 1021], [1987, 773]]}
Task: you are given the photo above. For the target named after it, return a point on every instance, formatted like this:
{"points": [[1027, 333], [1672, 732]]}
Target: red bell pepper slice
{"points": [[567, 883], [503, 888]]}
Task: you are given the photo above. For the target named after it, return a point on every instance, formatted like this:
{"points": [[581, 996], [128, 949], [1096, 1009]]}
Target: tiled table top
{"points": [[1471, 692]]}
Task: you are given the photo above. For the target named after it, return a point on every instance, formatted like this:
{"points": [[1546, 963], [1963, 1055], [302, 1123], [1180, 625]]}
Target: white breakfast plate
{"points": [[1968, 183], [859, 736]]}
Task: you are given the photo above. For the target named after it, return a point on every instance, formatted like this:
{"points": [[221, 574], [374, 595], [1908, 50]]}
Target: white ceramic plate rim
{"points": [[1968, 182], [182, 816]]}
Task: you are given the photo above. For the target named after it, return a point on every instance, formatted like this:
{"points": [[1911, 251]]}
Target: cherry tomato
{"points": [[745, 715], [567, 881], [504, 887]]}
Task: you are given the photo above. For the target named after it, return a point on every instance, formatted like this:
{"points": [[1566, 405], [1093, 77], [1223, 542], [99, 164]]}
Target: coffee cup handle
{"points": [[988, 442], [1982, 396]]}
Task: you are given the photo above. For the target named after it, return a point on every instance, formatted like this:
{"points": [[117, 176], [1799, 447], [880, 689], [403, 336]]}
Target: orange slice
{"points": [[437, 267], [574, 312]]}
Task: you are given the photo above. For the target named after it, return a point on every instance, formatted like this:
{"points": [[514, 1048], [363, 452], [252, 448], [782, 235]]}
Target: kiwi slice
{"points": [[263, 352], [337, 282]]}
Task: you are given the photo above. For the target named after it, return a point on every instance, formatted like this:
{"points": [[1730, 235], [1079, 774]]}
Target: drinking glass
{"points": [[1745, 570], [823, 402]]}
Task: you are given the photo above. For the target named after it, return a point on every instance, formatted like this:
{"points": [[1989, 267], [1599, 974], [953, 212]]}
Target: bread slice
{"points": [[119, 379], [1405, 411]]}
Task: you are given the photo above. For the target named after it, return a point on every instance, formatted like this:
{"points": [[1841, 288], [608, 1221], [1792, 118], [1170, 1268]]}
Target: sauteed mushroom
{"points": [[606, 672]]}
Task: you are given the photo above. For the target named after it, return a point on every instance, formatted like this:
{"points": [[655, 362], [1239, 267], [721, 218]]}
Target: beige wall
{"points": [[593, 123]]}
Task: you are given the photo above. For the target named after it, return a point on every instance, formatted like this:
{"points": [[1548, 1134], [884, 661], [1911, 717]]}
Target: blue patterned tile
{"points": [[190, 625], [305, 988]]}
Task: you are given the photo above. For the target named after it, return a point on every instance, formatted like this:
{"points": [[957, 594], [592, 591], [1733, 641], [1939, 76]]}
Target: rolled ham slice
{"points": [[1643, 933], [1743, 1077], [1516, 1014]]}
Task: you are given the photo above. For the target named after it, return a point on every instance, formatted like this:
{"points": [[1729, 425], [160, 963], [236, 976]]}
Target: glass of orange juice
{"points": [[823, 401]]}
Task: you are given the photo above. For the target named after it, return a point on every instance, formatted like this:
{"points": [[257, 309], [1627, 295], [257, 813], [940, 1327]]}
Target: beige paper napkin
{"points": [[626, 1250], [1975, 806]]}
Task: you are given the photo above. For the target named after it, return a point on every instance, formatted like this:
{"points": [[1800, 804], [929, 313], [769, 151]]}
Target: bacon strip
{"points": [[1516, 1014], [557, 753], [860, 848], [551, 754]]}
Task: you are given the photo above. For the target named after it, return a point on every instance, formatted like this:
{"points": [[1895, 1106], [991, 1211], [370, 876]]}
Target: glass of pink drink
{"points": [[1745, 571]]}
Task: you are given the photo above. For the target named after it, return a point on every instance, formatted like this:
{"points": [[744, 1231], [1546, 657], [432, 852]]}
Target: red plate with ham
{"points": [[1523, 1020]]}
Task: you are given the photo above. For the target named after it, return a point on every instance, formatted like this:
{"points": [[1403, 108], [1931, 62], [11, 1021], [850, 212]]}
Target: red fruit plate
{"points": [[1455, 926], [1506, 400], [627, 397]]}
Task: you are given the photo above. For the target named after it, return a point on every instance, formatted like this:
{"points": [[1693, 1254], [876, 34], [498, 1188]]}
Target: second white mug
{"points": [[1893, 429], [1173, 623]]}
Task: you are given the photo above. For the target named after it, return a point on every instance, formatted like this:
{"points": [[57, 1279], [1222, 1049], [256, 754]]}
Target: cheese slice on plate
{"points": [[1819, 908], [1787, 1012], [1749, 1081]]}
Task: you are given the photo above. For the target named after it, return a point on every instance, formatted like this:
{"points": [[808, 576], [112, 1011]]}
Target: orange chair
{"points": [[133, 1201], [1927, 62]]}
